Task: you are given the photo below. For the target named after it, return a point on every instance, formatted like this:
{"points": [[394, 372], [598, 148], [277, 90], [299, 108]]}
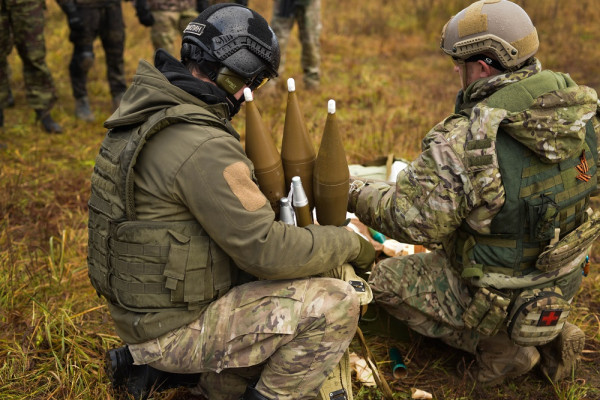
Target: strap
{"points": [[470, 269], [377, 375]]}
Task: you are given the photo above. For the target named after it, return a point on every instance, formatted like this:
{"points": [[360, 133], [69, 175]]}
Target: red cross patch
{"points": [[549, 318]]}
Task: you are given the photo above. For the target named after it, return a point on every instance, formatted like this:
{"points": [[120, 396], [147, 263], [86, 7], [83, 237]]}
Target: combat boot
{"points": [[498, 358], [253, 394], [312, 81], [561, 356], [49, 124], [83, 111], [141, 380]]}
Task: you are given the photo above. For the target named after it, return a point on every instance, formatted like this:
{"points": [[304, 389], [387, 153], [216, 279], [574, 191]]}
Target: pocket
{"points": [[537, 316], [541, 212], [486, 312], [267, 307]]}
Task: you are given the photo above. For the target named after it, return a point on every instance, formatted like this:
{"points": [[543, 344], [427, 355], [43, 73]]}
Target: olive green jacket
{"points": [[183, 173]]}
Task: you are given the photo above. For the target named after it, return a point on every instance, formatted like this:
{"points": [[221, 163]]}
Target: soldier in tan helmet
{"points": [[500, 193]]}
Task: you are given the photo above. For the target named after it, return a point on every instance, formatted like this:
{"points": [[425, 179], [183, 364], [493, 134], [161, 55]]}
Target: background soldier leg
{"points": [[83, 60], [309, 29], [112, 34], [27, 20], [165, 31], [299, 329]]}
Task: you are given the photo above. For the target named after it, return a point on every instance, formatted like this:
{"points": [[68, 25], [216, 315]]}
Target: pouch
{"points": [[537, 316], [486, 312], [570, 247]]}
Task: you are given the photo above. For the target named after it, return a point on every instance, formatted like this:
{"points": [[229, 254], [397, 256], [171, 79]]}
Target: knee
{"points": [[334, 299], [391, 270], [83, 58]]}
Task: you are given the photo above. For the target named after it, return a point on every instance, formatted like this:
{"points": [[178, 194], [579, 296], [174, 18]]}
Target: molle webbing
{"points": [[539, 200], [148, 266], [540, 197]]}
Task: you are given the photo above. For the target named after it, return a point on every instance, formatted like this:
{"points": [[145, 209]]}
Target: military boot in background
{"points": [[83, 111], [312, 81], [49, 124], [141, 381], [561, 356], [498, 358]]}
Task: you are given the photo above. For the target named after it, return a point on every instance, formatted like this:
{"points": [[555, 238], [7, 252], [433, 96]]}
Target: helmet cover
{"points": [[500, 28]]}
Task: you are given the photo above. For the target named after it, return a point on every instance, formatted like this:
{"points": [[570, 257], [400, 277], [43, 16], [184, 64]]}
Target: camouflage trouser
{"points": [[22, 21], [423, 291], [296, 329], [309, 30], [106, 22], [168, 27]]}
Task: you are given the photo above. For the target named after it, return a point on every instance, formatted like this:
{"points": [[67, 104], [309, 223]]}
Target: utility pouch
{"points": [[486, 312], [537, 316], [542, 212], [570, 247]]}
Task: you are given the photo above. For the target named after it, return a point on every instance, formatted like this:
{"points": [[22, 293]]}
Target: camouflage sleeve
{"points": [[215, 184], [432, 195], [596, 122]]}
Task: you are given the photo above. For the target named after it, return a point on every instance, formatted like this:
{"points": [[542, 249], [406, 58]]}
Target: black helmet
{"points": [[235, 37]]}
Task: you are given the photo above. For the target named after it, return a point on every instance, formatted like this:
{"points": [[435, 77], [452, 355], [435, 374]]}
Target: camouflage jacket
{"points": [[171, 5], [437, 191]]}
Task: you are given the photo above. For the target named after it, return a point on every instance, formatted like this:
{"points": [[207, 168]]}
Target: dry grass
{"points": [[381, 64]]}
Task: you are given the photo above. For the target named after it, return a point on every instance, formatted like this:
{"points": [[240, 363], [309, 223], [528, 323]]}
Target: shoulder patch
{"points": [[237, 176]]}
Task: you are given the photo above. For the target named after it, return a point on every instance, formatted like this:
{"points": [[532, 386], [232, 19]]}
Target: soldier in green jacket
{"points": [[89, 19], [500, 194], [198, 274], [22, 24]]}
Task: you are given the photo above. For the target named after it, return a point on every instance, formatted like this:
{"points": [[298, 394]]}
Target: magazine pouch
{"points": [[486, 312]]}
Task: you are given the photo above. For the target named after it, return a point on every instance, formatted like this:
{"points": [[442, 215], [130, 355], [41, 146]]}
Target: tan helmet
{"points": [[498, 27]]}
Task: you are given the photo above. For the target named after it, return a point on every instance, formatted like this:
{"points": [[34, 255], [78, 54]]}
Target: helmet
{"points": [[233, 45], [498, 27]]}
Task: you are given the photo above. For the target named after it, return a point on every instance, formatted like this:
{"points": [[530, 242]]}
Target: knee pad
{"points": [[83, 56]]}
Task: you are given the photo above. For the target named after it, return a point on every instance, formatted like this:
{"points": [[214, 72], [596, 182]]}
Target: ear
{"points": [[484, 70]]}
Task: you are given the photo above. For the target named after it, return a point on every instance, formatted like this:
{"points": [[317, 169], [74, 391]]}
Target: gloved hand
{"points": [[142, 11], [73, 18], [366, 255]]}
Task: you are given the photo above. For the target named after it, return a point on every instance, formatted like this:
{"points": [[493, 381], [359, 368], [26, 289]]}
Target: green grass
{"points": [[382, 65]]}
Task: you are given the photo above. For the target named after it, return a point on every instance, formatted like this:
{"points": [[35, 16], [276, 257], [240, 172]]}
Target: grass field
{"points": [[382, 65]]}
